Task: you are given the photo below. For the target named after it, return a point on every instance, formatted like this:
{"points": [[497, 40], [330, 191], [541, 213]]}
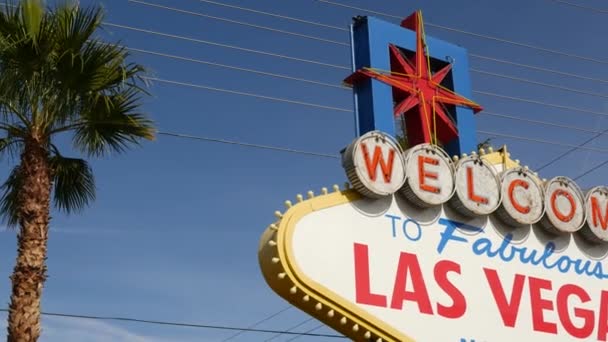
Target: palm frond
{"points": [[73, 183], [112, 124], [74, 25], [10, 146], [9, 198], [32, 14]]}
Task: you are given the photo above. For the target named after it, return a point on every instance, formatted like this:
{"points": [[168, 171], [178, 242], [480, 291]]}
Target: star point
{"points": [[417, 91]]}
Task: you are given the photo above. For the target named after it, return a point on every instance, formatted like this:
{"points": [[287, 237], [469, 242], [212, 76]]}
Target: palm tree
{"points": [[57, 78]]}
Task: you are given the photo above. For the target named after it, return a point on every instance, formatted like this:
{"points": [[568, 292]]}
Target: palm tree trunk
{"points": [[30, 269]]}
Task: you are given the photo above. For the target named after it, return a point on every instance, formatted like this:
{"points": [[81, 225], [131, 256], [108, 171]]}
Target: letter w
{"points": [[372, 165]]}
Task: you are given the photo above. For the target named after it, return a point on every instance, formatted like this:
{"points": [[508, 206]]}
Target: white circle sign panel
{"points": [[597, 218], [378, 163], [522, 196], [477, 186], [564, 205], [430, 174]]}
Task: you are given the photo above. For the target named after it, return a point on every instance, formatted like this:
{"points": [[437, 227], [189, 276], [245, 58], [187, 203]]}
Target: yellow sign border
{"points": [[285, 278]]}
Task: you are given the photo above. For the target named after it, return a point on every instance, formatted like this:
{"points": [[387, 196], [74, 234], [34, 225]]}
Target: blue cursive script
{"points": [[507, 252]]}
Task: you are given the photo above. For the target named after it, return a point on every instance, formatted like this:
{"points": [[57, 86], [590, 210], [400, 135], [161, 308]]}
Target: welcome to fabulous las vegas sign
{"points": [[428, 247]]}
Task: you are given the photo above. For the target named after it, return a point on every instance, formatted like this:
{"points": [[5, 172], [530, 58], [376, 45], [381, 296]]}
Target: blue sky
{"points": [[174, 232]]}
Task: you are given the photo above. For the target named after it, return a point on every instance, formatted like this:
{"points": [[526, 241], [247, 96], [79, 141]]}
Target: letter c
{"points": [[521, 183]]}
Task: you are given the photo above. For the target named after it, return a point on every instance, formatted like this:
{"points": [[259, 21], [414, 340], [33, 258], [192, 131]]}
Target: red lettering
{"points": [[362, 281], [423, 174], [561, 216], [372, 165], [508, 309], [597, 215], [562, 309], [540, 304], [408, 265], [602, 322], [459, 304], [471, 188], [521, 183]]}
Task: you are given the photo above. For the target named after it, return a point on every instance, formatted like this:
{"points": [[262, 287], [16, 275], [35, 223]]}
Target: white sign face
{"points": [[596, 227], [477, 187], [430, 175], [374, 164], [564, 205], [440, 280], [522, 197]]}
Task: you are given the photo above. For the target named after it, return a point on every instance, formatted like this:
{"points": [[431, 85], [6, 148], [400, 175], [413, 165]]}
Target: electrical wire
{"points": [[548, 142], [497, 60], [235, 92], [579, 147], [590, 170], [542, 84], [257, 323], [179, 324], [346, 68], [537, 68], [198, 14], [207, 42], [546, 104], [485, 112], [346, 110], [473, 34], [275, 15], [290, 329], [232, 67], [538, 122], [588, 8], [306, 332], [231, 142], [345, 44]]}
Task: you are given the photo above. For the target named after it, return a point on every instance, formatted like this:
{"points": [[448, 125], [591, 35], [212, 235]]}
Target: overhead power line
{"points": [[290, 329], [497, 134], [347, 68], [580, 146], [597, 167], [254, 71], [231, 142], [537, 68], [307, 331], [588, 8], [497, 60], [542, 84], [232, 67], [539, 122], [207, 42], [198, 14], [235, 92], [473, 34], [542, 141], [275, 15], [541, 103], [518, 79], [179, 324], [257, 323]]}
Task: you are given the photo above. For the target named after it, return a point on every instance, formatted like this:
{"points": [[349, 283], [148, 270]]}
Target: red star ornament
{"points": [[415, 86]]}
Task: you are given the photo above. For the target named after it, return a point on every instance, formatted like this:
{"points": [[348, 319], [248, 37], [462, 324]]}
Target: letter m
{"points": [[378, 158], [597, 214]]}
